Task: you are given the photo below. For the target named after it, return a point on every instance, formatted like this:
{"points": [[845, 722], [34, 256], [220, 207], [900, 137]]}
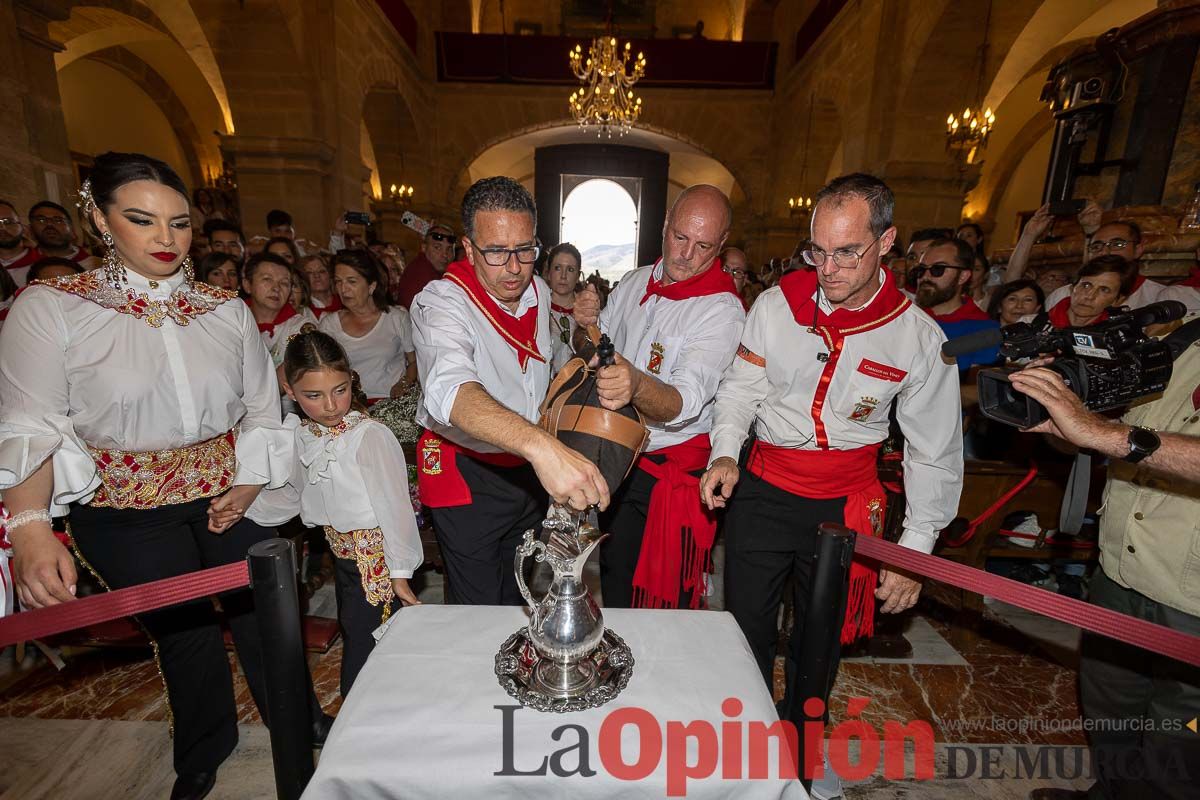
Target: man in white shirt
{"points": [[823, 358], [675, 325], [482, 337]]}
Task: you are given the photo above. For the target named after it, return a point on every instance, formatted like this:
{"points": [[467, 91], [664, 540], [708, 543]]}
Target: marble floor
{"points": [[97, 729]]}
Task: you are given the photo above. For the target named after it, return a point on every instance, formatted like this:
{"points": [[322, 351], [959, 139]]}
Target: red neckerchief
{"points": [[334, 305], [285, 313], [799, 289], [519, 332], [1058, 315], [712, 281], [561, 309], [967, 311]]}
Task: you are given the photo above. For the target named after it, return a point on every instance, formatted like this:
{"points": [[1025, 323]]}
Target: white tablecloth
{"points": [[421, 721]]}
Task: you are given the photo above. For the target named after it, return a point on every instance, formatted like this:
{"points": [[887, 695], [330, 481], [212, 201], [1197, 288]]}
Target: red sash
{"points": [[439, 479], [826, 474], [713, 280], [285, 313], [679, 530], [519, 332]]}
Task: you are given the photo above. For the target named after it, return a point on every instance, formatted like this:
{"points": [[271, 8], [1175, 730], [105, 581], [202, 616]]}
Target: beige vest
{"points": [[1150, 528]]}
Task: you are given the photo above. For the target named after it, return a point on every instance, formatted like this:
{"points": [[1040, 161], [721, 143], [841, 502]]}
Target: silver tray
{"points": [[517, 663]]}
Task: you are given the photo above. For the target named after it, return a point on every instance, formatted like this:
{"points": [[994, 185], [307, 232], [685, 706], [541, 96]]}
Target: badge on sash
{"points": [[864, 408], [431, 457], [875, 510], [656, 357]]}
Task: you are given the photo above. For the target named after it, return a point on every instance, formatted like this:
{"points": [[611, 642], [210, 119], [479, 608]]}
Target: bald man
{"points": [[676, 325], [736, 265]]}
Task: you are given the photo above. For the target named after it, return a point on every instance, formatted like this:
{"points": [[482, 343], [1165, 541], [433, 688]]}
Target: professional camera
{"points": [[1108, 365]]}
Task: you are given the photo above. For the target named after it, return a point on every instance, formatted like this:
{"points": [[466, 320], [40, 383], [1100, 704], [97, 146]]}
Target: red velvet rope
{"points": [[38, 623], [994, 507], [1138, 632]]}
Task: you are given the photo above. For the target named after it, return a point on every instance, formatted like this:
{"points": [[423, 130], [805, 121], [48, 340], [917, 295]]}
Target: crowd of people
{"points": [[262, 358]]}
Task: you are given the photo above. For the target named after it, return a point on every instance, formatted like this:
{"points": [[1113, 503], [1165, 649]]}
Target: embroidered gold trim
{"points": [[165, 477], [365, 548], [191, 300]]}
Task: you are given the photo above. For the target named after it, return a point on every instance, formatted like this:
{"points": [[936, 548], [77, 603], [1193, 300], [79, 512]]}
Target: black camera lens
{"points": [[1092, 87]]}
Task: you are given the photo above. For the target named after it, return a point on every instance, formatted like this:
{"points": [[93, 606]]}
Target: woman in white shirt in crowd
{"points": [[140, 365], [376, 336]]}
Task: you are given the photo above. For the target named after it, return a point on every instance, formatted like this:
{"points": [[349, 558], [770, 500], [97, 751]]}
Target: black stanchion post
{"points": [[816, 661], [273, 578]]}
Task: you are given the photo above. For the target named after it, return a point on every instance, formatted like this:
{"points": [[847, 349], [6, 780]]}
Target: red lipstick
{"points": [[164, 256]]}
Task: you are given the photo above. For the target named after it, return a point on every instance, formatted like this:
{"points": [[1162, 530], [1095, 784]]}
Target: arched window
{"points": [[600, 218]]}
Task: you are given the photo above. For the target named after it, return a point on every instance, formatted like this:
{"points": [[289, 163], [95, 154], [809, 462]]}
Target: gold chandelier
{"points": [[606, 98], [967, 135]]}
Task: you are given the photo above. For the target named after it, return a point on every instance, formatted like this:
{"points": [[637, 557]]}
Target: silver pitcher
{"points": [[566, 625]]}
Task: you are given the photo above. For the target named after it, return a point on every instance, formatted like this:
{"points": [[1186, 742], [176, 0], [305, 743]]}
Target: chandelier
{"points": [[967, 135], [606, 98]]}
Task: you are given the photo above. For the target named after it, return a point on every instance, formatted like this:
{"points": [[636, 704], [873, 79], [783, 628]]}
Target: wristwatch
{"points": [[1142, 442]]}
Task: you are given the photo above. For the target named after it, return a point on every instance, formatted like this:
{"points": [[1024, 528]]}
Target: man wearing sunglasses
{"points": [[675, 325], [822, 361], [437, 251], [941, 278], [483, 346], [15, 256]]}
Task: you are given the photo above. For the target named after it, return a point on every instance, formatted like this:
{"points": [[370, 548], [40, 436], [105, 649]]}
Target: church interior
{"points": [[971, 111]]}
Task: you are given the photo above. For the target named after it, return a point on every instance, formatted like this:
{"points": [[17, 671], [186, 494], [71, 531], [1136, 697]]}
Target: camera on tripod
{"points": [[1108, 365]]}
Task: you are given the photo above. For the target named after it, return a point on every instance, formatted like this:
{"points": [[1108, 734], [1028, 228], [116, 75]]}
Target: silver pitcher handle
{"points": [[528, 547]]}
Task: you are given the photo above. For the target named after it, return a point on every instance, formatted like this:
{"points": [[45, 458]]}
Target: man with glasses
{"points": [[15, 256], [483, 345], [675, 325], [50, 225], [941, 277], [735, 264], [437, 251], [824, 358]]}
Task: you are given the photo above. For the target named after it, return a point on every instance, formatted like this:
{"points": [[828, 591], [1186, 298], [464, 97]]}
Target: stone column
{"points": [[33, 138], [287, 173], [929, 193]]}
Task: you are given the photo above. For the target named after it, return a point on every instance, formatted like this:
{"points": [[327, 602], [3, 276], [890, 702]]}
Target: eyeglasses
{"points": [[10, 222], [498, 257], [442, 237], [1112, 244], [843, 258], [737, 273], [935, 270], [50, 220]]}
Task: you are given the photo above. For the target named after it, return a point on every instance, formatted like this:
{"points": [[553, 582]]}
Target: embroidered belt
{"points": [[365, 548], [165, 477]]}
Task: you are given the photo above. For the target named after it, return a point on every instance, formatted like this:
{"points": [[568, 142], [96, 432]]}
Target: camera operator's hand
{"points": [[1069, 418]]}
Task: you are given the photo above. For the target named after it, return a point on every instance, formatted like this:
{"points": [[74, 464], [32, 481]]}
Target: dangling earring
{"points": [[188, 272], [114, 270]]}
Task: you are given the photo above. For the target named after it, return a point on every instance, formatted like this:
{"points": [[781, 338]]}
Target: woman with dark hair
{"points": [[1016, 300], [51, 267], [1103, 282], [376, 335], [283, 247], [564, 265], [220, 270], [143, 401]]}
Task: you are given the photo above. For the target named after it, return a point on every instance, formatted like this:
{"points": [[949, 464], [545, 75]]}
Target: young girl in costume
{"points": [[352, 479]]}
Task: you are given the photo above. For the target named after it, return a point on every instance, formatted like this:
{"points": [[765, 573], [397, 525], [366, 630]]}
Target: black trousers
{"points": [[1138, 703], [625, 522], [130, 547], [479, 541], [357, 619], [771, 536]]}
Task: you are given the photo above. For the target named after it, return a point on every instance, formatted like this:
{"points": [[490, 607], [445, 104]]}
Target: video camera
{"points": [[1108, 365]]}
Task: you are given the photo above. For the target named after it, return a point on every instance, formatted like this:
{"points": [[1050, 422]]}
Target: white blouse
{"points": [[73, 371], [277, 340], [355, 479], [379, 356]]}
